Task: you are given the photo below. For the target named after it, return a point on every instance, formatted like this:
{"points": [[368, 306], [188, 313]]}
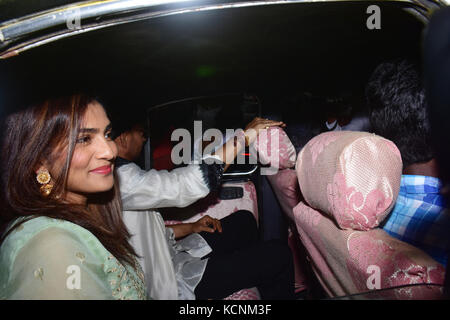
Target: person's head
{"points": [[130, 141], [70, 138], [66, 143], [398, 110]]}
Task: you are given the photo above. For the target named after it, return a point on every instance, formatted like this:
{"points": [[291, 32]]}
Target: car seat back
{"points": [[350, 182]]}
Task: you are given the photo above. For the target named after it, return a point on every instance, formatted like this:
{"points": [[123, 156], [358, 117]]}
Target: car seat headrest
{"points": [[354, 177]]}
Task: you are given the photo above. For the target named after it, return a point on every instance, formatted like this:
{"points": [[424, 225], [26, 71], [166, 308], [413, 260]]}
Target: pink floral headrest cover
{"points": [[275, 148], [354, 177]]}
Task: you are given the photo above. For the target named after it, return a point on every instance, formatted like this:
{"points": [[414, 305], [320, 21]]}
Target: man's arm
{"points": [[143, 190], [206, 223]]}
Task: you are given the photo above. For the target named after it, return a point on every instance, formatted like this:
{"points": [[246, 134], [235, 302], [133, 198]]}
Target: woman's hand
{"points": [[207, 224], [253, 128]]}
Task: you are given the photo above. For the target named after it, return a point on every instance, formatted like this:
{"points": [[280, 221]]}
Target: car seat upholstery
{"points": [[218, 208], [285, 186], [350, 182], [273, 148]]}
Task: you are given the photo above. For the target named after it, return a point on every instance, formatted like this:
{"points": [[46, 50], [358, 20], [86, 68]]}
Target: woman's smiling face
{"points": [[92, 164]]}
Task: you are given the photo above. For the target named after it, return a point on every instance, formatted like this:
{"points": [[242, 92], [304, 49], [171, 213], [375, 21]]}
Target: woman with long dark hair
{"points": [[62, 236]]}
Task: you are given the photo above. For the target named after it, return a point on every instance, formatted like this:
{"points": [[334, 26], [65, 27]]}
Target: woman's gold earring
{"points": [[43, 177]]}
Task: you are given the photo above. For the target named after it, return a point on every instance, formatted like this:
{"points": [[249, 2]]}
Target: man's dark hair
{"points": [[398, 111]]}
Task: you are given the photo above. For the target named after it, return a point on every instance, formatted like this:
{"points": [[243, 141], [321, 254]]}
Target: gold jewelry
{"points": [[43, 177], [46, 189]]}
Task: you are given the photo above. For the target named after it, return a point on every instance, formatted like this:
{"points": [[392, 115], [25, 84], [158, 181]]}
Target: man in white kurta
{"points": [[175, 269], [172, 269]]}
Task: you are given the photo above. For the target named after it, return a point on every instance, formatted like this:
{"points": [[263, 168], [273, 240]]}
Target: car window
{"points": [[194, 116]]}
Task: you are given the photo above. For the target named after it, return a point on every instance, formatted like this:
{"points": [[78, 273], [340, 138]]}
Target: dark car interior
{"points": [[273, 52]]}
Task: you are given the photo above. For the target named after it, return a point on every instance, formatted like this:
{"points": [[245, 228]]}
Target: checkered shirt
{"points": [[420, 217]]}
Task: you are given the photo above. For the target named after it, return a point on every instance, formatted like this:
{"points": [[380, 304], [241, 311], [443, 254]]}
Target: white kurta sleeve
{"points": [[143, 190]]}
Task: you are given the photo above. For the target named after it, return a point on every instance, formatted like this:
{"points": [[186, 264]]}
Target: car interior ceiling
{"points": [[273, 51]]}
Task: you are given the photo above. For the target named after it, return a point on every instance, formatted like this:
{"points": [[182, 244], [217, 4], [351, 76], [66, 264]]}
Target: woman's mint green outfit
{"points": [[55, 259]]}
